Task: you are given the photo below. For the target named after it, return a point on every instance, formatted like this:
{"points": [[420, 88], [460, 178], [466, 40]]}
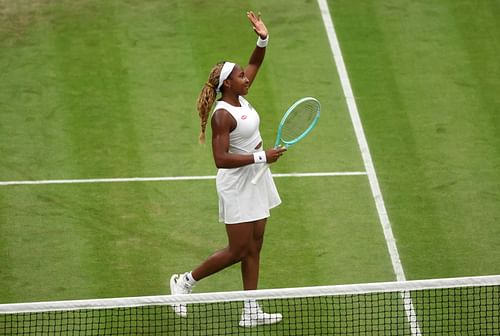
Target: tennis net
{"points": [[454, 306]]}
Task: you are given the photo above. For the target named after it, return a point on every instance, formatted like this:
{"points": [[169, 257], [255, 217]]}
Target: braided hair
{"points": [[207, 97]]}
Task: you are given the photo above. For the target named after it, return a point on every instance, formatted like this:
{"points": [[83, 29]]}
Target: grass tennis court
{"points": [[107, 89]]}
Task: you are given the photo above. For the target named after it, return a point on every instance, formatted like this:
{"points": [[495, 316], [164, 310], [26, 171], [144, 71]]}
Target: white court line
{"points": [[166, 178], [367, 159]]}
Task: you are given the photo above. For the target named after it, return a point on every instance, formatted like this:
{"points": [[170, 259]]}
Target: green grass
{"points": [[94, 89], [113, 95], [425, 76]]}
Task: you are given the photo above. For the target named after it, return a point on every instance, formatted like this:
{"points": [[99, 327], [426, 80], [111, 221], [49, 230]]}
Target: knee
{"points": [[239, 253], [250, 250]]}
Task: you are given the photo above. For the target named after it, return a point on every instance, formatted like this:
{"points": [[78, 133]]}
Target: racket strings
{"points": [[299, 121]]}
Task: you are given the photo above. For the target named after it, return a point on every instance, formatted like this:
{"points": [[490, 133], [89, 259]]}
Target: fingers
{"points": [[282, 149], [254, 19], [251, 15], [274, 154], [279, 152], [257, 24]]}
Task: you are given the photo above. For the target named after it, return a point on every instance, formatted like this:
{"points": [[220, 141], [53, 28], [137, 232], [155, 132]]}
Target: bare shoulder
{"points": [[222, 120]]}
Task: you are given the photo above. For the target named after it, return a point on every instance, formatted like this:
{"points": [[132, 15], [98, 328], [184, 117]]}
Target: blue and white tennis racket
{"points": [[298, 121]]}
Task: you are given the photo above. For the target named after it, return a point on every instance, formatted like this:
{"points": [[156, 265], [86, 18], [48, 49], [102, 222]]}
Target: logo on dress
{"points": [[243, 117]]}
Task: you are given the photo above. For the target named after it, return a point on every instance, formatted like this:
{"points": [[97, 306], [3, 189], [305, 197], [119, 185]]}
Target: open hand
{"points": [[258, 25]]}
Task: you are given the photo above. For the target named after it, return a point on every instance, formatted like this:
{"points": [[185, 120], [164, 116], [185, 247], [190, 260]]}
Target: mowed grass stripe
{"points": [[426, 86], [94, 89], [31, 124]]}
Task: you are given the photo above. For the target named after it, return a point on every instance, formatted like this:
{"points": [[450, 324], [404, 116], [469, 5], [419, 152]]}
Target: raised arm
{"points": [[259, 52]]}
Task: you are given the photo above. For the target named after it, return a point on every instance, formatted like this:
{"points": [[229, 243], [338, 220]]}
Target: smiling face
{"points": [[237, 82]]}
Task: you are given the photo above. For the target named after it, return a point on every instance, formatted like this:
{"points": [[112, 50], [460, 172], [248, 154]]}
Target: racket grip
{"points": [[260, 173]]}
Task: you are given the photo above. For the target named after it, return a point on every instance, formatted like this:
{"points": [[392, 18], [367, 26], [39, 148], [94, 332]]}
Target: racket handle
{"points": [[260, 173]]}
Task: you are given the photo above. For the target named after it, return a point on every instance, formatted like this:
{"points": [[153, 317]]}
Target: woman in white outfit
{"points": [[238, 153]]}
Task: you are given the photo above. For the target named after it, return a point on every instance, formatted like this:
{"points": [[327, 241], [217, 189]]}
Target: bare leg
{"points": [[240, 238], [250, 264]]}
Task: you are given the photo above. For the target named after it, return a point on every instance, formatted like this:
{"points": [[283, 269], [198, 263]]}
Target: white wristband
{"points": [[262, 43], [259, 157]]}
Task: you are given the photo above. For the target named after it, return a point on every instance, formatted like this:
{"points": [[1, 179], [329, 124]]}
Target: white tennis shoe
{"points": [[255, 317], [178, 285]]}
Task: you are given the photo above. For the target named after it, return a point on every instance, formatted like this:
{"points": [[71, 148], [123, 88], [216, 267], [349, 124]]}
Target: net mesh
{"points": [[465, 309], [299, 120]]}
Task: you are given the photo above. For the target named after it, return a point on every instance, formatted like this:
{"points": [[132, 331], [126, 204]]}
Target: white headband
{"points": [[227, 68]]}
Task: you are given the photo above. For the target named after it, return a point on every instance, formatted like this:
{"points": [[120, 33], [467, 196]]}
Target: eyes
{"points": [[240, 76]]}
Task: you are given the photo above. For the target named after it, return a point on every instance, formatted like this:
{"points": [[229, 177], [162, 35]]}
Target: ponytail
{"points": [[207, 97]]}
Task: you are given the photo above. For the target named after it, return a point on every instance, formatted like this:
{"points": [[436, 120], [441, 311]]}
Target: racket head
{"points": [[298, 121]]}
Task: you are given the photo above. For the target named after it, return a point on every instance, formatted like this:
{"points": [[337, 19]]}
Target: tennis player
{"points": [[238, 153]]}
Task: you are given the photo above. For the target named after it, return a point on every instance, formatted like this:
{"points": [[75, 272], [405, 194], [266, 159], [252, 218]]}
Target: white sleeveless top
{"points": [[240, 201], [246, 136]]}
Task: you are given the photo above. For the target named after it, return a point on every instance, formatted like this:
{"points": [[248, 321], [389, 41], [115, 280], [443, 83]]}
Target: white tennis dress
{"points": [[241, 201]]}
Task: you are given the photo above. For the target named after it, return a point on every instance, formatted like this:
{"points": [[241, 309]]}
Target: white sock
{"points": [[190, 281]]}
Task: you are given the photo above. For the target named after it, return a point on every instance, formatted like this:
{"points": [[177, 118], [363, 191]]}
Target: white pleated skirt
{"points": [[240, 201]]}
